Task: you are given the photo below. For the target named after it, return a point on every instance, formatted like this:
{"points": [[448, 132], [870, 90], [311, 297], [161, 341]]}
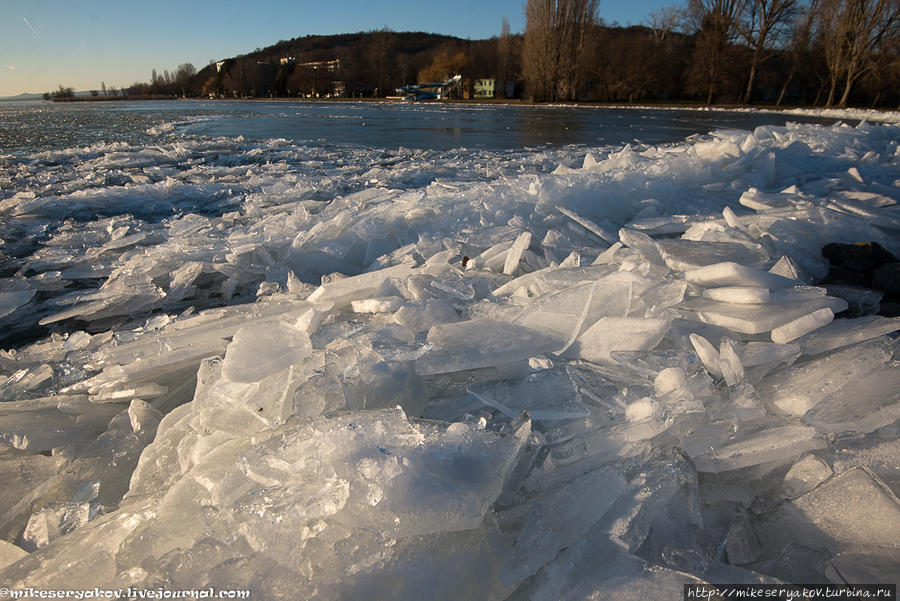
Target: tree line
{"points": [[801, 52], [819, 52]]}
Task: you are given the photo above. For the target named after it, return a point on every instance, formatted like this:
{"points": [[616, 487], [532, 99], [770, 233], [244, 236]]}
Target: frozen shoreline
{"points": [[325, 373]]}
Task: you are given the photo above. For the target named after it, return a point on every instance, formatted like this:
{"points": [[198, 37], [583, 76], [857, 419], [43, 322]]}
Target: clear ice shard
{"points": [[10, 553], [419, 316], [862, 405], [610, 334], [344, 290], [797, 389], [481, 343], [600, 569], [807, 473], [345, 484], [802, 325], [844, 332], [560, 518], [548, 395], [743, 295], [778, 443], [729, 274], [757, 319], [514, 255], [854, 509], [259, 351]]}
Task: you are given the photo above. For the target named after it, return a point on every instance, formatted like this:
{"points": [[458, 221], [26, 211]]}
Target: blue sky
{"points": [[79, 43]]}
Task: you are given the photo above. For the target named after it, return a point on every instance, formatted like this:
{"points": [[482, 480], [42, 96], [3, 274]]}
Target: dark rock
{"points": [[861, 257], [838, 276], [887, 279]]}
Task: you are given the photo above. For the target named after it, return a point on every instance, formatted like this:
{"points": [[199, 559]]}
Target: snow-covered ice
{"points": [[332, 372]]}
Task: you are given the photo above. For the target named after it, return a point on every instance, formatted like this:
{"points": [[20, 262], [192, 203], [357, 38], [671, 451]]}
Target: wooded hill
{"points": [[613, 64]]}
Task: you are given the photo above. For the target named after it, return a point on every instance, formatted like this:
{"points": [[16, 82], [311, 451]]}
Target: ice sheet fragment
{"points": [[610, 334], [802, 325], [744, 295], [514, 255], [480, 343], [732, 274], [262, 350], [769, 444]]}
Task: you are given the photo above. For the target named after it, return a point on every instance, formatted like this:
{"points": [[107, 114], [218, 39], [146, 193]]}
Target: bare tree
{"points": [[664, 21], [553, 53], [716, 21], [381, 52], [504, 53], [801, 36], [763, 21], [852, 32]]}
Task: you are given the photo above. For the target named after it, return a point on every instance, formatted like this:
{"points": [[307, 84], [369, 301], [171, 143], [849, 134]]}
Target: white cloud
{"points": [[11, 67]]}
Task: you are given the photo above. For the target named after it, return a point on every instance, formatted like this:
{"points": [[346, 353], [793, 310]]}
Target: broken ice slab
{"points": [[418, 316], [553, 279], [863, 404], [259, 351], [481, 343], [101, 472], [742, 295], [866, 565], [22, 474], [760, 353], [115, 298], [603, 234], [380, 304], [881, 456], [10, 553], [762, 446], [807, 473], [708, 354], [844, 332], [597, 568], [668, 224], [617, 334], [757, 319], [548, 395], [854, 509], [149, 369], [741, 545], [514, 255], [560, 518], [53, 521], [344, 290], [802, 325], [745, 402], [665, 479], [730, 362], [798, 563], [14, 293], [733, 274], [23, 382], [684, 255], [796, 389], [44, 424], [569, 312], [758, 200], [494, 258]]}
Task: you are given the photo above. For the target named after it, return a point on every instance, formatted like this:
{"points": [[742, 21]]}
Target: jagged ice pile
{"points": [[337, 373]]}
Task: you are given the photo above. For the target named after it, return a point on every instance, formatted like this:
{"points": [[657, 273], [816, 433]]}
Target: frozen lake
{"points": [[374, 351], [43, 126]]}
